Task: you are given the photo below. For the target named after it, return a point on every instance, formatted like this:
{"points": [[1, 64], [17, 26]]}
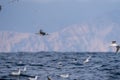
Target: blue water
{"points": [[101, 66]]}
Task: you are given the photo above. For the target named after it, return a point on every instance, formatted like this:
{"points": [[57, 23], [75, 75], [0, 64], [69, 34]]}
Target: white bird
{"points": [[33, 78], [87, 60], [114, 44], [64, 75], [16, 73]]}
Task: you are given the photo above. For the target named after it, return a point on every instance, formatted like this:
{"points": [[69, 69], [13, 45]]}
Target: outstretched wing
{"points": [[117, 48], [43, 33]]}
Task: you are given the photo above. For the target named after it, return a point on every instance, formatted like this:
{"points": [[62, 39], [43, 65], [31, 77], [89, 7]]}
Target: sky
{"points": [[30, 16]]}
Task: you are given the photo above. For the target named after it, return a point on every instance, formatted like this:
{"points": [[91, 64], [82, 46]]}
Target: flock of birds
{"points": [[19, 71], [113, 44], [42, 33]]}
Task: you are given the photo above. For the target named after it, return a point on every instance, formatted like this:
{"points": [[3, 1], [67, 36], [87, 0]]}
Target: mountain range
{"points": [[75, 38]]}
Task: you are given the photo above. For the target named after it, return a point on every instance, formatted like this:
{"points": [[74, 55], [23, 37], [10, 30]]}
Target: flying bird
{"points": [[42, 33], [114, 44], [87, 60]]}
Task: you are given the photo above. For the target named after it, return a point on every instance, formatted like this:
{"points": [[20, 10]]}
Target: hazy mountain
{"points": [[84, 37]]}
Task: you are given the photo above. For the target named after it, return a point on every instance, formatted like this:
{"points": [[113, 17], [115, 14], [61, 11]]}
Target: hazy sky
{"points": [[52, 15]]}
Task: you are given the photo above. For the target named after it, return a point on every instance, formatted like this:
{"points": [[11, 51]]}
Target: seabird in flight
{"points": [[87, 60], [114, 44], [42, 33]]}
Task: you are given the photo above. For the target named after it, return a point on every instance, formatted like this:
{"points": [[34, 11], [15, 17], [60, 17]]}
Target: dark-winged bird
{"points": [[42, 33], [117, 48], [114, 44]]}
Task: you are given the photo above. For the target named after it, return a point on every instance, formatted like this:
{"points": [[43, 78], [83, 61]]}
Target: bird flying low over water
{"points": [[87, 59], [42, 33], [114, 44]]}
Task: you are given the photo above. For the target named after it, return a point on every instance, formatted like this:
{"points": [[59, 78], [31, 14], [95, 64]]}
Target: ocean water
{"points": [[60, 66]]}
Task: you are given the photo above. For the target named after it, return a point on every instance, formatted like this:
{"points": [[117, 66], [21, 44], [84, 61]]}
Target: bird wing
{"points": [[118, 47]]}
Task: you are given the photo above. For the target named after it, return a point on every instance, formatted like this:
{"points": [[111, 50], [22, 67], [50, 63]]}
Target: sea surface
{"points": [[60, 65]]}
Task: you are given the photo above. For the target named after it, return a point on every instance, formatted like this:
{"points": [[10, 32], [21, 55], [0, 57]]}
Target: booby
{"points": [[114, 44], [42, 33]]}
